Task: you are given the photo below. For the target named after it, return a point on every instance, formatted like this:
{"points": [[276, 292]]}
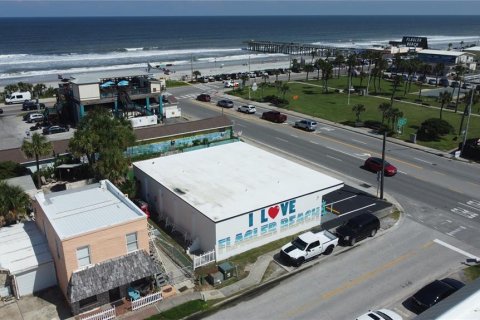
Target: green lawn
{"points": [[175, 83], [181, 311], [309, 98]]}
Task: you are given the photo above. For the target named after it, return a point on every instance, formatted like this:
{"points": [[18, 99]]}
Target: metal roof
{"points": [[90, 208], [231, 179], [23, 247], [444, 52], [96, 77]]}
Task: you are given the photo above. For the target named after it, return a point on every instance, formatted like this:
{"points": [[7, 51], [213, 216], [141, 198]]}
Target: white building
{"points": [[448, 57], [233, 197]]}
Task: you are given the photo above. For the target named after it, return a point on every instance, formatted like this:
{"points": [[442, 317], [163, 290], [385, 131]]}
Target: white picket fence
{"points": [[145, 301], [102, 315], [203, 259]]}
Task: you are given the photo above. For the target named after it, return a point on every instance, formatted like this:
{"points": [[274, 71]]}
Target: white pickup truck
{"points": [[308, 246]]}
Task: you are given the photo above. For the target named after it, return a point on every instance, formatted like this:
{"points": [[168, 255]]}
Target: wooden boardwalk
{"points": [[296, 48]]}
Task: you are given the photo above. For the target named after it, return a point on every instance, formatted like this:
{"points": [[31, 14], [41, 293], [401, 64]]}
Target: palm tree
{"points": [[35, 149], [397, 80], [444, 97], [358, 109], [13, 203], [338, 62], [284, 88], [327, 73], [425, 69], [384, 107], [262, 86], [245, 77], [265, 77], [309, 68], [276, 72], [196, 74], [351, 63], [459, 72], [438, 69], [318, 65], [468, 108]]}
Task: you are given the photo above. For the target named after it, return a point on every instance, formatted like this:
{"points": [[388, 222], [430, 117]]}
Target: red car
{"points": [[204, 97], [375, 164]]}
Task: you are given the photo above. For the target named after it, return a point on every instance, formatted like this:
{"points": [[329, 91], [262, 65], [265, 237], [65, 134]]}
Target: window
{"points": [[83, 256], [132, 244]]}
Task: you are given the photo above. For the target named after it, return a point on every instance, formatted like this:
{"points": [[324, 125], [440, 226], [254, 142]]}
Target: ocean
{"points": [[35, 49]]}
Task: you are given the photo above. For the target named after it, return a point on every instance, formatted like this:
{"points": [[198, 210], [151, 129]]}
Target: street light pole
{"points": [[248, 76], [468, 120], [382, 174]]}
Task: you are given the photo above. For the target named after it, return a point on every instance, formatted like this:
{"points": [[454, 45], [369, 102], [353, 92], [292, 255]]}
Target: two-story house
{"points": [[99, 242]]}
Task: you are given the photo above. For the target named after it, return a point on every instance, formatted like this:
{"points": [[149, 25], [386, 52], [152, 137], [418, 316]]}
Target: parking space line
{"points": [[328, 156], [281, 139], [344, 199], [360, 208], [449, 246], [361, 142]]}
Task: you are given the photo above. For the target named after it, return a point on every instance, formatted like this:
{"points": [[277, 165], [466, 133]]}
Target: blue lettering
{"points": [[292, 205], [272, 226], [263, 218], [223, 243], [248, 235], [292, 220], [264, 229], [250, 219], [238, 238], [284, 207], [300, 218], [284, 223]]}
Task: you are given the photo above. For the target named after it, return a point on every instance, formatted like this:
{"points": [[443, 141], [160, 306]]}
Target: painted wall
{"points": [[265, 225], [181, 142], [89, 91]]}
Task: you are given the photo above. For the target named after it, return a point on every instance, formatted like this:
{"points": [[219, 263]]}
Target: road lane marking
{"points": [[438, 172], [360, 208], [402, 172], [425, 161], [293, 135], [453, 232], [314, 142], [328, 156], [361, 142], [449, 246], [470, 204], [281, 139]]}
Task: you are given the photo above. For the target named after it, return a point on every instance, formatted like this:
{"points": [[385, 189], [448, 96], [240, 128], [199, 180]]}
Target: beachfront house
{"points": [[99, 243], [122, 91]]}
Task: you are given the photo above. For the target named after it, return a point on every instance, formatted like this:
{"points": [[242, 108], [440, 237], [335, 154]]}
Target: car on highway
{"points": [[1, 110], [55, 129], [204, 97], [358, 228], [225, 103], [375, 164], [32, 105], [230, 84], [247, 109], [274, 116], [308, 125], [434, 292], [381, 314]]}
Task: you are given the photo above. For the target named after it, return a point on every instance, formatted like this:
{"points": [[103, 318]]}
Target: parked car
{"points": [[467, 86], [375, 164], [55, 129], [444, 82], [1, 110], [358, 228], [308, 125], [32, 105], [211, 79], [230, 84], [18, 97], [382, 314], [35, 117], [434, 292], [225, 103], [204, 97], [247, 109], [432, 81], [274, 116], [454, 84]]}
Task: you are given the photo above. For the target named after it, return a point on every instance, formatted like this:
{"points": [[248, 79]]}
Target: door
{"points": [[313, 250], [114, 294]]}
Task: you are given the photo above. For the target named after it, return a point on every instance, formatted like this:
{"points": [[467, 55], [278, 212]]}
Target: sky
{"points": [[72, 8]]}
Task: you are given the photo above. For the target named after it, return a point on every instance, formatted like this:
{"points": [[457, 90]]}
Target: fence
{"points": [[102, 315], [145, 301], [203, 259]]}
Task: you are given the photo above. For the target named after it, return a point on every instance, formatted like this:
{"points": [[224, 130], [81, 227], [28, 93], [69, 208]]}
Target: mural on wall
{"points": [[178, 143], [274, 221]]}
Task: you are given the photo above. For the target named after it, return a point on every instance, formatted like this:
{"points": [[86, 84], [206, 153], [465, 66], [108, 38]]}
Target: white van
{"points": [[18, 97]]}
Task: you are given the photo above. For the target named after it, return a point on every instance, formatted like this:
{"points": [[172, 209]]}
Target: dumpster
{"points": [[226, 269]]}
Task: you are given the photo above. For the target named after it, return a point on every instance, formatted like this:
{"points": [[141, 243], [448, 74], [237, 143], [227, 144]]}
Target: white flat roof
{"points": [[231, 179], [82, 210], [475, 49], [23, 247], [444, 52]]}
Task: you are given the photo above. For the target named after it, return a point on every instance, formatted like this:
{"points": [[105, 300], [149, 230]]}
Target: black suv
{"points": [[358, 228], [32, 105]]}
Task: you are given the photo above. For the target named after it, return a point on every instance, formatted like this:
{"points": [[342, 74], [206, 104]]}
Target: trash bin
{"points": [[226, 269], [215, 278], [413, 137]]}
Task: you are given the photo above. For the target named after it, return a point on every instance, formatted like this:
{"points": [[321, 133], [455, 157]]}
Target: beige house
{"points": [[99, 242]]}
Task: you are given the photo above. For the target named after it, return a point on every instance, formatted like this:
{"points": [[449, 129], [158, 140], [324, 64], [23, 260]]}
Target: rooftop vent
{"points": [[179, 191]]}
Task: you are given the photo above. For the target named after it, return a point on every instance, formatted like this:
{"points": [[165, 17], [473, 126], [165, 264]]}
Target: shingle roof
{"points": [[111, 274]]}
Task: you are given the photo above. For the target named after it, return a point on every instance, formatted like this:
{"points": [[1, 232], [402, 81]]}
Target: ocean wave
{"points": [[18, 59]]}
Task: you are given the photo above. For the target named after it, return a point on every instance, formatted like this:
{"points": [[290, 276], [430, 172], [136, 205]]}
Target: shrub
{"points": [[276, 101], [432, 129]]}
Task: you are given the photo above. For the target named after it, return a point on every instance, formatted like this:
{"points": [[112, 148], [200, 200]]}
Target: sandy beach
{"points": [[177, 72]]}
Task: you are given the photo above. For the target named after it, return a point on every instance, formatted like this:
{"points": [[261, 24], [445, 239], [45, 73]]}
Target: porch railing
{"points": [[147, 300], [102, 315]]}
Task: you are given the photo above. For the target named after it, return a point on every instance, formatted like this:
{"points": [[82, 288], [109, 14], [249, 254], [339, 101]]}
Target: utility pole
{"points": [[382, 174], [249, 76], [191, 65], [468, 120]]}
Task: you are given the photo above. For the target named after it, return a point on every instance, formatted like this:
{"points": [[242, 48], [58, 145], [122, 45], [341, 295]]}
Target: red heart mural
{"points": [[273, 211]]}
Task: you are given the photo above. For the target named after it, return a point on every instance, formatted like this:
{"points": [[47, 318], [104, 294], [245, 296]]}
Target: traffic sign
{"points": [[402, 121], [254, 86]]}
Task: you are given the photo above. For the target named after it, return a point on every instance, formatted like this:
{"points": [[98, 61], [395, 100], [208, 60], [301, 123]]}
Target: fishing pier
{"points": [[295, 48]]}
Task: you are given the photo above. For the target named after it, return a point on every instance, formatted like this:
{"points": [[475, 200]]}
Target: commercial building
{"points": [[122, 90], [99, 243], [233, 197], [448, 58]]}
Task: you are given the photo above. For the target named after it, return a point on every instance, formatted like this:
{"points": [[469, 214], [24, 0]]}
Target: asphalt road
{"points": [[439, 192]]}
